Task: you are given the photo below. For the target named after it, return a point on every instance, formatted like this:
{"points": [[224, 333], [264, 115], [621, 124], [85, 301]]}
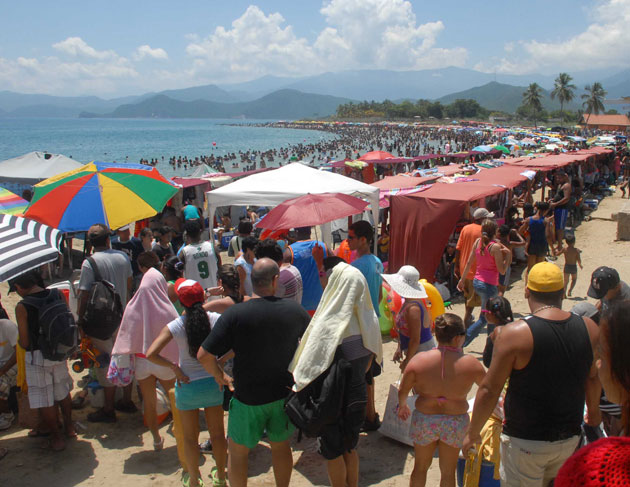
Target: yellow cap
{"points": [[545, 277]]}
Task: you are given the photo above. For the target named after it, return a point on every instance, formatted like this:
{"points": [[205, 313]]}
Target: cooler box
{"points": [[591, 203], [225, 239]]}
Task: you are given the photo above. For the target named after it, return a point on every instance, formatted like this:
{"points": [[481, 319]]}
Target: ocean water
{"points": [[129, 140]]}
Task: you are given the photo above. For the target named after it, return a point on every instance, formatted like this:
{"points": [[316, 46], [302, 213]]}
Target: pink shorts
{"points": [[448, 428]]}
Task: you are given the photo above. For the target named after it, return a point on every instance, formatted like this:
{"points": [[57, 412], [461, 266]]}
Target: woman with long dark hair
{"points": [[195, 389], [492, 258], [173, 269], [229, 283]]}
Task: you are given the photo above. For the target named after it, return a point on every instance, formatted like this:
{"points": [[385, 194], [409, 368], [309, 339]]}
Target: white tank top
{"points": [[200, 263]]}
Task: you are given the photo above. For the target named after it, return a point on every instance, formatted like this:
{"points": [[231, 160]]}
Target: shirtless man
{"points": [[560, 206], [442, 379], [571, 261], [550, 359]]}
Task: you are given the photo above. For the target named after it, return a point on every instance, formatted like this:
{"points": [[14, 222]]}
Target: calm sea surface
{"points": [[130, 140]]}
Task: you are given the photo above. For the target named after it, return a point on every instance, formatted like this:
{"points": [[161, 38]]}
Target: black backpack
{"points": [[58, 333], [104, 310], [322, 401]]}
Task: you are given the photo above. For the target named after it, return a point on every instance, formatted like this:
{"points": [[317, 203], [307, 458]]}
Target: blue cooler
{"points": [[225, 239], [591, 204]]}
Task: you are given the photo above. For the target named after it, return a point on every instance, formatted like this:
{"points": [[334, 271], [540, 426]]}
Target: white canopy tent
{"points": [[34, 167], [271, 188]]}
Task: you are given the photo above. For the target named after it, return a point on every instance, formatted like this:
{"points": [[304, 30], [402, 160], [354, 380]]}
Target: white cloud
{"points": [[79, 69], [386, 34], [75, 46], [256, 44], [146, 51], [604, 43], [359, 34]]}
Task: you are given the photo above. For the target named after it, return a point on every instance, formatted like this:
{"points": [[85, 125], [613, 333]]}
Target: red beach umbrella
{"points": [[377, 155], [311, 209]]}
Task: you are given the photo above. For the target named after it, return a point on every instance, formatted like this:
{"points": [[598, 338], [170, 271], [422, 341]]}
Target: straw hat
{"points": [[405, 283]]}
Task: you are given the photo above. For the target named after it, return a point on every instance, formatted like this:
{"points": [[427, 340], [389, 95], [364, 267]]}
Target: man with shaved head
{"points": [[263, 333]]}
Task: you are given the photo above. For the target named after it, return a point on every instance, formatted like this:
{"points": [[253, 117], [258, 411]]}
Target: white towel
{"points": [[346, 296]]}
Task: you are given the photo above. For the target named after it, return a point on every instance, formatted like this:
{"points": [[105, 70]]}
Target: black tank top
{"points": [[545, 400]]}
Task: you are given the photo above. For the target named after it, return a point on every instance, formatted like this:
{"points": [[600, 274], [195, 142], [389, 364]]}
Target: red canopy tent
{"points": [[422, 223]]}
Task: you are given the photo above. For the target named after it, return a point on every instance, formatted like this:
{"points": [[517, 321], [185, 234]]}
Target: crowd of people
{"points": [[292, 319], [346, 141]]}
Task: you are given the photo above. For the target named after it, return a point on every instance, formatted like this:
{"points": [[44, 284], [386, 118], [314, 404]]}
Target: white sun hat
{"points": [[406, 283]]}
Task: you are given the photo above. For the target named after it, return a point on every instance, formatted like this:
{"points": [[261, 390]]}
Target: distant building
{"points": [[613, 123]]}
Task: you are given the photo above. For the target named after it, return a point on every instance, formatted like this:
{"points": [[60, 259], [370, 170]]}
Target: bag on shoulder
{"points": [[58, 333], [322, 401], [104, 310]]}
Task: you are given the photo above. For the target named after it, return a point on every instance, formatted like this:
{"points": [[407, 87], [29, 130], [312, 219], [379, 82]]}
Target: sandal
{"points": [[159, 445], [216, 481], [186, 480]]}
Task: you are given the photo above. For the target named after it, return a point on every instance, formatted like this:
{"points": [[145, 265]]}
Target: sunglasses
{"points": [[351, 237]]}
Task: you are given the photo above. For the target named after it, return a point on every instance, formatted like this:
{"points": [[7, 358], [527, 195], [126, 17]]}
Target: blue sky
{"points": [[119, 47]]}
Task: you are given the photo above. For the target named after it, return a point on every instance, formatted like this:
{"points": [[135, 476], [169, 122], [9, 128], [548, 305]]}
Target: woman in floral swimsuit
{"points": [[442, 378]]}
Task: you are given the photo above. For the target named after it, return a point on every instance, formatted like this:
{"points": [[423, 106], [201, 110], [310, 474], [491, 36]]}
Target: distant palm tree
{"points": [[564, 90], [532, 100], [593, 99]]}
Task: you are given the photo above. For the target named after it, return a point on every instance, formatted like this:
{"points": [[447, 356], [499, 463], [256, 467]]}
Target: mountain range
{"points": [[307, 96]]}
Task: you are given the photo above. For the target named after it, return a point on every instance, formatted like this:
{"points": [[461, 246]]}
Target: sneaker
{"points": [[101, 416], [8, 416], [205, 447], [371, 425], [5, 424]]}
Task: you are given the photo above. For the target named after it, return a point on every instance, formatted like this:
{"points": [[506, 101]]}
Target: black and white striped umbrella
{"points": [[25, 244]]}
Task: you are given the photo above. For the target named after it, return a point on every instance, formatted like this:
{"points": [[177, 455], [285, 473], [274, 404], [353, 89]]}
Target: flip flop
{"points": [[159, 445], [48, 446], [38, 434]]}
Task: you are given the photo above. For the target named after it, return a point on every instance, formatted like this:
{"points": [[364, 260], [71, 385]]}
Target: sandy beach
{"points": [[121, 453]]}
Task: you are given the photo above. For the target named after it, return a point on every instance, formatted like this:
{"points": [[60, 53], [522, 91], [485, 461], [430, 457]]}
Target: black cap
{"points": [[603, 280]]}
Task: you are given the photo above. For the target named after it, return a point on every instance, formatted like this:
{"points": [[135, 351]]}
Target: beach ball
{"points": [[386, 320]]}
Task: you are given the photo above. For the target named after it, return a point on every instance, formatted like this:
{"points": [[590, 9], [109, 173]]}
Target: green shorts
{"points": [[246, 424]]}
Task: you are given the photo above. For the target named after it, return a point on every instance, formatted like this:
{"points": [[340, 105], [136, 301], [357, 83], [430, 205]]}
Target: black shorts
{"points": [[570, 268], [343, 435], [538, 249]]}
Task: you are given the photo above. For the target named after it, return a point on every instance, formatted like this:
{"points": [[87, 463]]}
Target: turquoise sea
{"points": [[129, 140]]}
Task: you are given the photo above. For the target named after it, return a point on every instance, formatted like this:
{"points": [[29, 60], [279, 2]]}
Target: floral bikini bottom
{"points": [[450, 429]]}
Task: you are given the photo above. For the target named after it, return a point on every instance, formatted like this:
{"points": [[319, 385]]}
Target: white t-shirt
{"points": [[189, 365], [200, 263], [247, 267], [8, 339]]}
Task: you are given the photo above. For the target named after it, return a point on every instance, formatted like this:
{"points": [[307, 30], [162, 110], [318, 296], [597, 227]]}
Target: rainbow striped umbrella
{"points": [[100, 192], [11, 203]]}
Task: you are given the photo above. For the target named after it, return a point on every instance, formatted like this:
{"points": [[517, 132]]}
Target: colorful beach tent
{"points": [[11, 203], [100, 192], [34, 167], [290, 181]]}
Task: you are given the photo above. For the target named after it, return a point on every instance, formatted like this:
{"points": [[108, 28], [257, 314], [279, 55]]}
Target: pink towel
{"points": [[148, 312]]}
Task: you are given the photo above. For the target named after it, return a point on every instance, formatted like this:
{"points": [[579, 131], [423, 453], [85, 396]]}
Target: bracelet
{"points": [[322, 273]]}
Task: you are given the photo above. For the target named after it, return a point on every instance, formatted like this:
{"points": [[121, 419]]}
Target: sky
{"points": [[119, 48]]}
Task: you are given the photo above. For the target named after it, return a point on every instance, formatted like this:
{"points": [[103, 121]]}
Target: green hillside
{"points": [[502, 97], [289, 104]]}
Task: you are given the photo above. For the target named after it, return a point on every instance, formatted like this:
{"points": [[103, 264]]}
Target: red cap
{"points": [[606, 462], [189, 292]]}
